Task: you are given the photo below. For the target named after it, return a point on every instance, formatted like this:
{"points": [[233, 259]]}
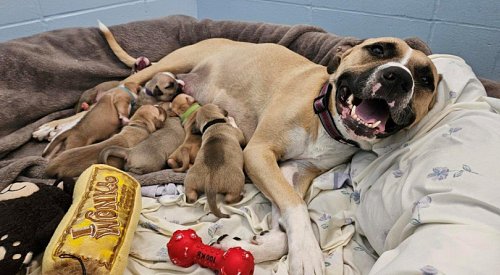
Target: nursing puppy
{"points": [[186, 107], [294, 111], [218, 168], [103, 120], [92, 95], [73, 162], [151, 154], [164, 86]]}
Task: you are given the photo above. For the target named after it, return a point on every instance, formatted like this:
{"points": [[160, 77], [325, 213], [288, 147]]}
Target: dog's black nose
{"points": [[396, 77]]}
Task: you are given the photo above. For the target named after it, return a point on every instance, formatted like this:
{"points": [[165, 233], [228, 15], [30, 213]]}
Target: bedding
{"points": [[420, 197]]}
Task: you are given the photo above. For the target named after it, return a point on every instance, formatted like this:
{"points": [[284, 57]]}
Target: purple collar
{"points": [[320, 106]]}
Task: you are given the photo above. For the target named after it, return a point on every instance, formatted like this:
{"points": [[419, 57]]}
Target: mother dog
{"points": [[291, 109]]}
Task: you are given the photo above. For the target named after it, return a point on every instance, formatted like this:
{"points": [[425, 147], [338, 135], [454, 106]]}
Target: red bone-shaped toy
{"points": [[185, 248]]}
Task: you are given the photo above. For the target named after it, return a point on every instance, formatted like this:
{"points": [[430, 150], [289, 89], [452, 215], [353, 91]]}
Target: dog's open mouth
{"points": [[367, 117]]}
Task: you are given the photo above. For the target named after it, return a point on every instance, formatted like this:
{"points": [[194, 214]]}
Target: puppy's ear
{"points": [[190, 100], [134, 87], [418, 44], [195, 130], [342, 47]]}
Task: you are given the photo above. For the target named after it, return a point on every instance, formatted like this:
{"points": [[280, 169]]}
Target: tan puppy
{"points": [[91, 96], [218, 168], [185, 106], [292, 110], [103, 120], [73, 162], [151, 154], [164, 86]]}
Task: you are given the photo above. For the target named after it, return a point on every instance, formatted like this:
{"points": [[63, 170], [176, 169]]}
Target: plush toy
{"points": [[95, 235], [185, 248], [29, 215]]}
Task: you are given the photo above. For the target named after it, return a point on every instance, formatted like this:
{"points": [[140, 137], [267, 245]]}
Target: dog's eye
{"points": [[425, 80], [376, 50]]}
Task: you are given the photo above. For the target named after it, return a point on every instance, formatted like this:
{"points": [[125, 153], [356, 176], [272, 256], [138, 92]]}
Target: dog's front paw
{"points": [[304, 254]]}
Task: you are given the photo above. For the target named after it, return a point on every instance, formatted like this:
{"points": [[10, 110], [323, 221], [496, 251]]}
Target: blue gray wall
{"points": [[468, 28]]}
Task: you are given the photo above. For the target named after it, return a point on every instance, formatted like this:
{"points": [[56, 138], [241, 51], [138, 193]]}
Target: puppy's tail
{"points": [[56, 145], [113, 151], [115, 47], [211, 194]]}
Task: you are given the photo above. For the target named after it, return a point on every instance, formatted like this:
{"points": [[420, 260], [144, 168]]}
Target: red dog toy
{"points": [[185, 248]]}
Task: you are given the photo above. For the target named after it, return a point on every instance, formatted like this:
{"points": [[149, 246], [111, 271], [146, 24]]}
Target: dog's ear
{"points": [[418, 44], [190, 100], [195, 130], [341, 48], [134, 87]]}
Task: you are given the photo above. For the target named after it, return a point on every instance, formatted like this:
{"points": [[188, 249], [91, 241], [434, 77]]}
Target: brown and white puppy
{"points": [[50, 130], [72, 162], [103, 120], [151, 154], [380, 86], [186, 107], [218, 167]]}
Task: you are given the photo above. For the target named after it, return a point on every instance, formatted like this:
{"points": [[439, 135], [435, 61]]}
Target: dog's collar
{"points": [[129, 92], [320, 106], [212, 122], [189, 111]]}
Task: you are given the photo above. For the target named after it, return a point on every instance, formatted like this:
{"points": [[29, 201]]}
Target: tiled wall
{"points": [[470, 29], [26, 17]]}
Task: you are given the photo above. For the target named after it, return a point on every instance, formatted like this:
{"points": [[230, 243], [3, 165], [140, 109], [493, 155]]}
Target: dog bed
{"points": [[420, 197]]}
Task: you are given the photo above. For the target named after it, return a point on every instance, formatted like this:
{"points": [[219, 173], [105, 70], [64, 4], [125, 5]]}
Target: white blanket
{"points": [[426, 200]]}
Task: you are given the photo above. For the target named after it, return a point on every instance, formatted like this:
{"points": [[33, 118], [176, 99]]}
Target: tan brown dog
{"points": [[71, 163], [185, 106], [291, 109], [218, 168], [103, 120], [151, 154]]}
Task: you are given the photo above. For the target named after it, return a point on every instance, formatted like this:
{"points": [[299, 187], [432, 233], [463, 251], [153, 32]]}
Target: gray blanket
{"points": [[43, 76]]}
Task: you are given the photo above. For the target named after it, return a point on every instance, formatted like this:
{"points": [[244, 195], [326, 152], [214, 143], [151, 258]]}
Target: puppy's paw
{"points": [[304, 253]]}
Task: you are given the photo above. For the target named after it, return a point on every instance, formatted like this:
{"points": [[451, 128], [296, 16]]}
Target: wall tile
{"points": [[414, 8], [256, 11], [20, 30], [18, 11], [366, 25], [160, 8], [478, 46], [52, 7], [478, 12], [109, 16]]}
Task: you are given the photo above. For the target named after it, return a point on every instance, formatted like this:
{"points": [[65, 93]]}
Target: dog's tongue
{"points": [[373, 110]]}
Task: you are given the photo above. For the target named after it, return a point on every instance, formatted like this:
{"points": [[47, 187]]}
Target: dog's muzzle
{"points": [[375, 104]]}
